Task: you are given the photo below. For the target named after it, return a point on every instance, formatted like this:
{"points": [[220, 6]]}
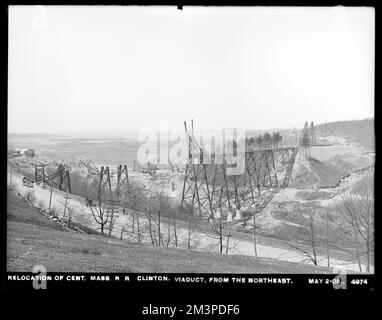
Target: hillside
{"points": [[34, 239], [356, 131]]}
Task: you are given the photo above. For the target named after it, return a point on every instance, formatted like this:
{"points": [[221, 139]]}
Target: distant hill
{"points": [[29, 140], [356, 131]]}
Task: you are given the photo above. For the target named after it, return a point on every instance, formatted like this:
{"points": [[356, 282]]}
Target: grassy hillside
{"points": [[357, 131], [33, 239]]}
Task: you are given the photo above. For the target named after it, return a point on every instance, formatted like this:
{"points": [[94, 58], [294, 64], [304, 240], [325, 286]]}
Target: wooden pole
{"points": [[50, 197], [66, 201]]}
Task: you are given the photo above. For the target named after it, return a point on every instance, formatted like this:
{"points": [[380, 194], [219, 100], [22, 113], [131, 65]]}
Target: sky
{"points": [[112, 68]]}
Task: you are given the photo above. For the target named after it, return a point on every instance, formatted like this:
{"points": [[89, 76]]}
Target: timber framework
{"points": [[208, 189], [59, 179]]}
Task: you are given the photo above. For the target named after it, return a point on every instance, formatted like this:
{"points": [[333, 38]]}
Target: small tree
{"points": [[357, 223], [100, 215], [122, 230], [255, 233], [150, 209], [112, 219], [71, 212], [220, 229], [139, 233], [160, 238], [174, 226], [307, 247], [168, 233]]}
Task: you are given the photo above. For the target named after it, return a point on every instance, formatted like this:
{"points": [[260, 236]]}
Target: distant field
{"points": [[33, 239], [102, 151], [113, 152]]}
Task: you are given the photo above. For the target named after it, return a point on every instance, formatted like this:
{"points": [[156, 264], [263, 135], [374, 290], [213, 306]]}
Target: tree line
{"points": [[264, 141]]}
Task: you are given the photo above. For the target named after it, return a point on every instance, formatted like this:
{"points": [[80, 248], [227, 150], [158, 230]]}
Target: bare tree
{"points": [[174, 226], [163, 209], [256, 211], [328, 228], [133, 207], [308, 246], [139, 233], [111, 209], [160, 238], [101, 215], [71, 212], [357, 223], [150, 210], [191, 241], [122, 230], [228, 245], [81, 185], [220, 229], [168, 233]]}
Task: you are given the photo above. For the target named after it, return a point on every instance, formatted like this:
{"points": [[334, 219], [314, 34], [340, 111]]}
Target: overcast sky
{"points": [[123, 68]]}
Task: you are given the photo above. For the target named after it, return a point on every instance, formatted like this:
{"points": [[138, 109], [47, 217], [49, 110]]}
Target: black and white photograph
{"points": [[190, 144]]}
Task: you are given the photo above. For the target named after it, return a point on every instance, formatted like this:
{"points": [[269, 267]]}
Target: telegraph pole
{"points": [[66, 201], [50, 197]]}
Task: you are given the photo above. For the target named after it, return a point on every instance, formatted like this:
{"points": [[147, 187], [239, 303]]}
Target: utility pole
{"points": [[66, 201], [50, 197]]}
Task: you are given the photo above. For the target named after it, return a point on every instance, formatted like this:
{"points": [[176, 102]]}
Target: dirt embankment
{"points": [[326, 166]]}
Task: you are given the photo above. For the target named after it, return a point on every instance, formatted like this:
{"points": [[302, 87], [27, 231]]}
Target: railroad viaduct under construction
{"points": [[209, 191]]}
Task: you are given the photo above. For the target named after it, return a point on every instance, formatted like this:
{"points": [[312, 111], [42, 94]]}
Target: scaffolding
{"points": [[59, 179], [103, 189], [207, 188]]}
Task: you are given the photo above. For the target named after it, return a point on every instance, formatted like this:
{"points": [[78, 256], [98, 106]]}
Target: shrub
{"points": [[53, 211]]}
